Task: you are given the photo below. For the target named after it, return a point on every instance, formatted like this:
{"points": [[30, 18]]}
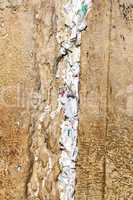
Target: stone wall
{"points": [[104, 168], [29, 137]]}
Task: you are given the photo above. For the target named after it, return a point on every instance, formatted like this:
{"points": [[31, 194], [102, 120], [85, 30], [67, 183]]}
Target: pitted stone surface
{"points": [[30, 62]]}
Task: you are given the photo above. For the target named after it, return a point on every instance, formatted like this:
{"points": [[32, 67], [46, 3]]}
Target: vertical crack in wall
{"points": [[107, 102], [75, 13], [58, 83]]}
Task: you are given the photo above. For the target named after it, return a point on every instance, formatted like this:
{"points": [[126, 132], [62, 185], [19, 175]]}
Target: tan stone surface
{"points": [[28, 139], [93, 88], [16, 81], [119, 163], [45, 146], [104, 168], [28, 57]]}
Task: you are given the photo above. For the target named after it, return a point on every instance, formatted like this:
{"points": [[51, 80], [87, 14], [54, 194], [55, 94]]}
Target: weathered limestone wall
{"points": [[93, 88], [106, 104], [29, 137], [17, 79], [45, 130]]}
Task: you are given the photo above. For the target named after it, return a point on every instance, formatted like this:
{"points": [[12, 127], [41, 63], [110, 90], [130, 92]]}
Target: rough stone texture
{"points": [[16, 82], [93, 89], [28, 58], [119, 165], [45, 133], [28, 139], [104, 168]]}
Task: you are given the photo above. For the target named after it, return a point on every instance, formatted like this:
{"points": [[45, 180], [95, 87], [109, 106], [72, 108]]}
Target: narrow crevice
{"points": [[107, 102], [31, 159], [31, 128], [32, 125], [75, 15]]}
